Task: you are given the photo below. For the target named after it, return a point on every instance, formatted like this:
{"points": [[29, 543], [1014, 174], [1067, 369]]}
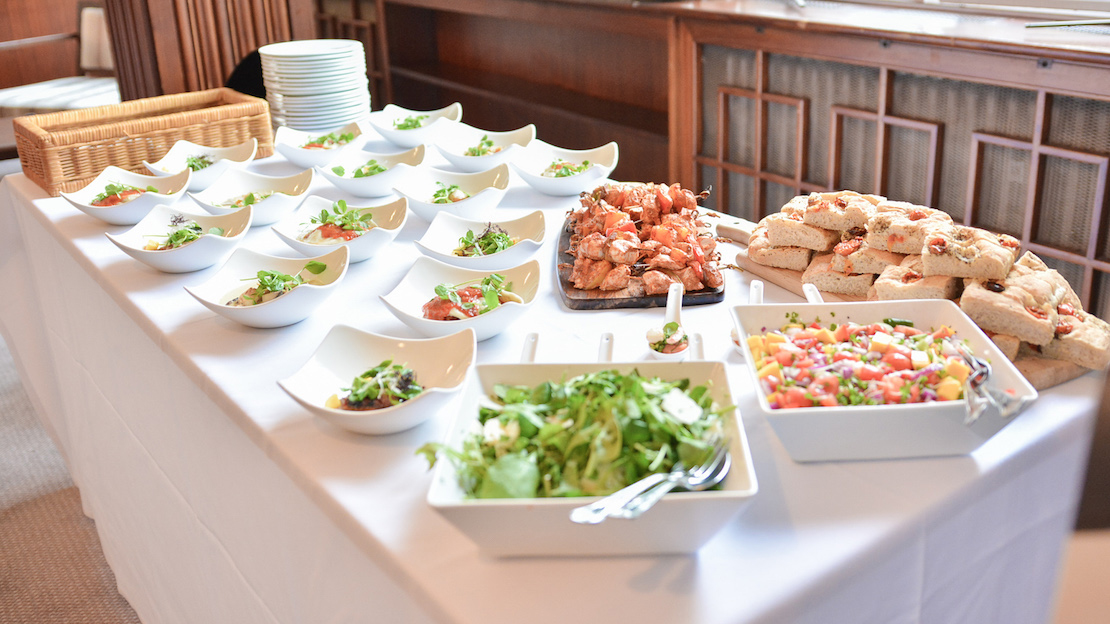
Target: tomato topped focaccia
{"points": [[901, 227], [962, 251], [788, 229], [1022, 305], [821, 274], [840, 210], [854, 255]]}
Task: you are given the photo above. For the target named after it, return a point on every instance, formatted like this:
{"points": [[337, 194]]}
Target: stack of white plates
{"points": [[316, 85]]}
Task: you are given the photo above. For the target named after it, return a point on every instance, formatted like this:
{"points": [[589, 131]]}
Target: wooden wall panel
{"points": [[23, 19]]}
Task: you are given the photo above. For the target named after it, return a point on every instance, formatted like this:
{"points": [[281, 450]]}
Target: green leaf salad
{"points": [[589, 435]]}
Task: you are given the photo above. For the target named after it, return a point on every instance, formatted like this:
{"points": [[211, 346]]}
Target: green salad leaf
{"points": [[410, 123], [588, 435], [344, 217], [492, 240]]}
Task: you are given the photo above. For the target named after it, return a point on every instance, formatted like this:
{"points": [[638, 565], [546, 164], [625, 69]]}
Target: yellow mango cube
{"points": [[825, 336], [771, 339], [881, 341], [949, 389], [769, 370], [755, 343], [957, 368]]}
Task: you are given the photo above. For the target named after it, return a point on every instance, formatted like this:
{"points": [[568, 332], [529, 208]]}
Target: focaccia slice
{"points": [[821, 274], [907, 281], [970, 252], [786, 229], [854, 255], [762, 252], [1022, 305], [1081, 338], [901, 227], [840, 210]]}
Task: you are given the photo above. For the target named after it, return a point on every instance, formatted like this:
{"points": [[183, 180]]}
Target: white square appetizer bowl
{"points": [[398, 168], [442, 238], [533, 161], [440, 366], [455, 143], [291, 143], [485, 190], [435, 123], [417, 287], [223, 158], [388, 220], [937, 428], [286, 193], [132, 211], [680, 523], [202, 253], [236, 276]]}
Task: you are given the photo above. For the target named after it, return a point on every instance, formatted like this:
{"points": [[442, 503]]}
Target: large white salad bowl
{"points": [[389, 219], [680, 523], [442, 238], [223, 158], [539, 155], [398, 167], [454, 143], [131, 212], [437, 122], [486, 189], [288, 142], [417, 287], [202, 253], [234, 278], [440, 366], [288, 193]]}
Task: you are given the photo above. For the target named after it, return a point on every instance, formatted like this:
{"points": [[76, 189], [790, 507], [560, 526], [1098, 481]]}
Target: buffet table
{"points": [[218, 499]]}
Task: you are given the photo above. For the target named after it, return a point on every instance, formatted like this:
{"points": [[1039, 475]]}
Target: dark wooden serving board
{"points": [[631, 297]]}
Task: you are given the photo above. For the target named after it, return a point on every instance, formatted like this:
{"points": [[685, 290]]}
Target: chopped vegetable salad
{"points": [[850, 364]]}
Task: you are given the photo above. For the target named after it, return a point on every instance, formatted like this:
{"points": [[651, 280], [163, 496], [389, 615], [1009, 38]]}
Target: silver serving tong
{"points": [[981, 394]]}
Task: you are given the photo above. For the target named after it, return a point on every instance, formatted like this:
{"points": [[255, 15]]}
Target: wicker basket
{"points": [[65, 151]]}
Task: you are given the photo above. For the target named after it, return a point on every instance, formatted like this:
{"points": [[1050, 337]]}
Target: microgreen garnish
{"points": [[490, 241], [196, 163], [330, 140], [345, 218], [670, 329], [491, 286], [183, 232], [386, 384], [410, 123], [276, 281], [484, 147], [565, 169], [116, 188], [448, 194]]}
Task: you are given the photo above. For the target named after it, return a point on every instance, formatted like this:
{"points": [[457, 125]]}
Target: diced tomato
{"points": [[892, 389], [868, 372], [828, 401], [908, 331], [845, 355], [942, 333], [900, 349], [784, 357], [824, 384], [795, 397], [804, 361], [897, 361], [841, 333], [803, 375]]}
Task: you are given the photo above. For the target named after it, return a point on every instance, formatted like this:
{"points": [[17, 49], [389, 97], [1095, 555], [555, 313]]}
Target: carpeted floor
{"points": [[52, 570]]}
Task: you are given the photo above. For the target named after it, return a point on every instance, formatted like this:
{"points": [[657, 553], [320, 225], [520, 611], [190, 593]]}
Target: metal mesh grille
{"points": [[857, 157], [824, 84], [1002, 202], [782, 132], [741, 131], [1067, 198], [775, 196], [1100, 295], [963, 108], [740, 196], [907, 160], [723, 66]]}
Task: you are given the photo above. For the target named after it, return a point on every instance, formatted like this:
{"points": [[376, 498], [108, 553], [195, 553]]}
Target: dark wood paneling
{"points": [[23, 19]]}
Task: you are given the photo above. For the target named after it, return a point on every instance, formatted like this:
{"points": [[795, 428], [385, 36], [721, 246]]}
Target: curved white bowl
{"points": [[234, 157], [169, 188], [417, 287], [292, 307], [538, 156], [437, 122], [202, 253], [390, 218], [442, 237], [440, 365], [454, 143], [289, 192], [398, 167], [486, 188], [288, 142]]}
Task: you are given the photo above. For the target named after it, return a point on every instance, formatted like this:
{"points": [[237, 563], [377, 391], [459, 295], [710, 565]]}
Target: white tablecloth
{"points": [[218, 499]]}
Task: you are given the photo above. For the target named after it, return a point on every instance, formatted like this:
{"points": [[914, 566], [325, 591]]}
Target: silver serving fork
{"points": [[981, 394]]}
